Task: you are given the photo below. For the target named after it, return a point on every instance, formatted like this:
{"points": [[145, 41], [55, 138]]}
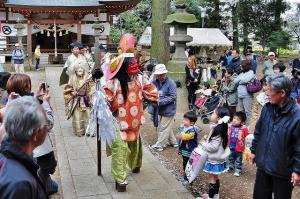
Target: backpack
{"points": [[254, 86]]}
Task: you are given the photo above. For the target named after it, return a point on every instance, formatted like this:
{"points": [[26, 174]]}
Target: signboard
{"points": [[86, 29], [2, 59]]}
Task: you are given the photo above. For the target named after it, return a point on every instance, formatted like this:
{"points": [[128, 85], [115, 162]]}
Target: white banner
{"points": [[86, 29]]}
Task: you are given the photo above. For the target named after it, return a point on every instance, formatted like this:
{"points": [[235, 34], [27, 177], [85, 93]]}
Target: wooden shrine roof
{"points": [[83, 7]]}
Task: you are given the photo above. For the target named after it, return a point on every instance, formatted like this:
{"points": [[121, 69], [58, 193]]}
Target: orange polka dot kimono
{"points": [[130, 113]]}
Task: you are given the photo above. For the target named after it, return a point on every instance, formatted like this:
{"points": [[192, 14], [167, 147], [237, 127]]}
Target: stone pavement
{"points": [[77, 162]]}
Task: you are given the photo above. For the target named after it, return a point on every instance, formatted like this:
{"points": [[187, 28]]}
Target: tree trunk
{"points": [[160, 43], [235, 24], [217, 13], [277, 14], [246, 41]]}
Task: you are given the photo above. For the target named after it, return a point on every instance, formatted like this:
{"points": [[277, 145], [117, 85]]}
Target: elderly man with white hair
{"points": [[276, 145], [268, 65], [26, 127], [166, 108]]}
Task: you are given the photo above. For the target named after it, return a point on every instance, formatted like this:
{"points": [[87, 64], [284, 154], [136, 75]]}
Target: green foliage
{"points": [[115, 34], [133, 21], [279, 39]]}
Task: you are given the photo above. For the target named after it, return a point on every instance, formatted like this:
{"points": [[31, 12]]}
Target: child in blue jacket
{"points": [[188, 137]]}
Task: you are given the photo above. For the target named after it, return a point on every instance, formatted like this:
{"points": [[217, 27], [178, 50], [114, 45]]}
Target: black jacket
{"points": [[235, 65], [276, 143], [18, 174], [296, 64], [189, 79]]}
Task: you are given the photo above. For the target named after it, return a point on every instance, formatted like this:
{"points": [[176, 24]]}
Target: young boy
{"points": [[262, 97], [188, 136], [237, 140], [279, 68]]}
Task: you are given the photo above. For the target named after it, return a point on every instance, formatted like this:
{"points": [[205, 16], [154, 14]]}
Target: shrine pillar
{"points": [[29, 39], [79, 31]]}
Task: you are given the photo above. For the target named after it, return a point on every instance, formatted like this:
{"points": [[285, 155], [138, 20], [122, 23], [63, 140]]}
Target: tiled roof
{"points": [[53, 2]]}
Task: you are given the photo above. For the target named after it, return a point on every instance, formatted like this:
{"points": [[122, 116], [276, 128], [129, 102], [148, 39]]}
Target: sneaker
{"points": [[53, 187], [217, 196], [157, 148], [230, 170], [237, 174], [174, 145]]}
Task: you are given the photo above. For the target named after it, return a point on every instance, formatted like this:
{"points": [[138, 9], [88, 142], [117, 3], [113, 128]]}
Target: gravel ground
{"points": [[231, 187]]}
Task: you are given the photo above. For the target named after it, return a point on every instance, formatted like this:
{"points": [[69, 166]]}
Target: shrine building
{"points": [[54, 24]]}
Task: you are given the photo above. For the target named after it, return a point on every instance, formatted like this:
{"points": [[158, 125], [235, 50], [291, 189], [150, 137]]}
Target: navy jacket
{"points": [[235, 65], [276, 143], [296, 64], [18, 174], [167, 97]]}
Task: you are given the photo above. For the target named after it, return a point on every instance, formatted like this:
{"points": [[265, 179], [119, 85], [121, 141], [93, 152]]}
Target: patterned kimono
{"points": [[127, 147], [79, 107]]}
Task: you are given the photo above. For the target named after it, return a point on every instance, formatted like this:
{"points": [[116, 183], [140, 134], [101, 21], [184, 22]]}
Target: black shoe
{"points": [[136, 170]]}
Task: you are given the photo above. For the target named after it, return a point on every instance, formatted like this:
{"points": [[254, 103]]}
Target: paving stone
{"points": [[89, 185], [132, 191], [107, 196], [167, 194], [77, 163], [78, 153], [82, 166]]}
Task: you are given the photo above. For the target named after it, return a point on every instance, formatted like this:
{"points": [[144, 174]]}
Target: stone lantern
{"points": [[19, 27], [180, 20], [98, 29]]}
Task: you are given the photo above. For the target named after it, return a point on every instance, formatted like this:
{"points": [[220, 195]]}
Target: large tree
{"points": [[133, 21], [279, 39], [160, 44]]}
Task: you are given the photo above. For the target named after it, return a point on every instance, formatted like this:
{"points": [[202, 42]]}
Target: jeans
{"points": [[184, 163], [37, 63], [236, 160], [232, 111], [191, 93], [266, 185]]}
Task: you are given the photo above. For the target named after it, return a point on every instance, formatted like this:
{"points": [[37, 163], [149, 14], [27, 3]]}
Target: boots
{"points": [[121, 186], [136, 170], [213, 192]]}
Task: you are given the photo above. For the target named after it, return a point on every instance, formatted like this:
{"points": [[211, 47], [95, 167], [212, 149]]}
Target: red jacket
{"points": [[241, 140]]}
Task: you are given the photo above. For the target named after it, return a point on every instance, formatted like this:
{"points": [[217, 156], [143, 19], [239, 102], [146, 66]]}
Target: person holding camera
{"points": [[18, 86]]}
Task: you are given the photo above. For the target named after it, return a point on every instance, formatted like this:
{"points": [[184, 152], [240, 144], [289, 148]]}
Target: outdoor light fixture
{"points": [[42, 31], [60, 34], [48, 34]]}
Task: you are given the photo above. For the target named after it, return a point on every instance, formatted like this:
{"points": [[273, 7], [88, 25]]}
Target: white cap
{"points": [[160, 69], [271, 54], [17, 44]]}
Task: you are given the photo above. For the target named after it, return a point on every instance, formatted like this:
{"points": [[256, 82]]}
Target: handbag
{"points": [[254, 86], [196, 163]]}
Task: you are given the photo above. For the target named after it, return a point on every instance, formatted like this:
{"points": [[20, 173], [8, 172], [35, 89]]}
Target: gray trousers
{"points": [[165, 132], [246, 104]]}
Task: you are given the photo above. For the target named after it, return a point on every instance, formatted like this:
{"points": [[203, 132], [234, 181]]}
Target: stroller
{"points": [[206, 105]]}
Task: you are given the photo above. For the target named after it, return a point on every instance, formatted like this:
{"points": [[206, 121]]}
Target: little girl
{"points": [[216, 147]]}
